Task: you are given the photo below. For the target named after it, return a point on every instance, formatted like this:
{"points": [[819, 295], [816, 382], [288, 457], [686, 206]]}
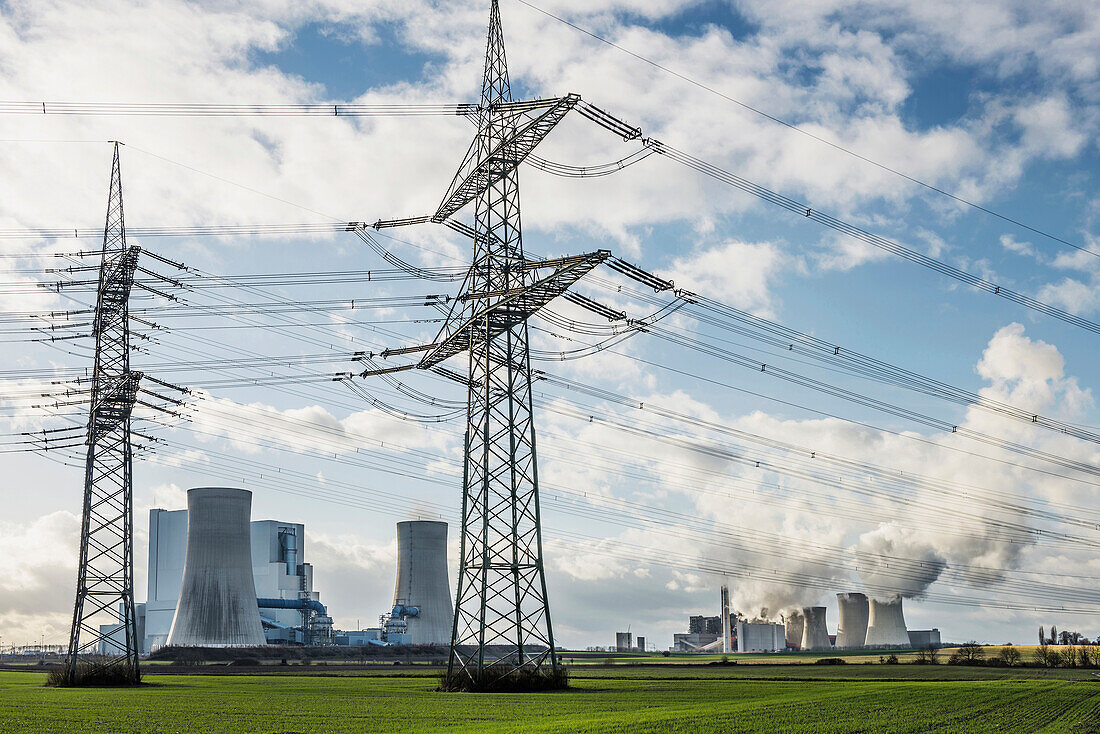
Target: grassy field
{"points": [[721, 699]]}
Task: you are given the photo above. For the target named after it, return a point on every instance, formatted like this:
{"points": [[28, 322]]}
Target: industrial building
{"points": [[216, 605], [851, 629], [422, 612], [280, 575], [815, 633], [794, 624], [886, 624], [759, 636], [924, 638], [624, 642]]}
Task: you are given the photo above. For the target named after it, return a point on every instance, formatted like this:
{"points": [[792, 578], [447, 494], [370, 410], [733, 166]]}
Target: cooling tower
{"points": [[793, 624], [886, 625], [851, 630], [217, 602], [422, 589], [815, 635]]}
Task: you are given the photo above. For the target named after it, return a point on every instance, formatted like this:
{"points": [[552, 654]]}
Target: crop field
{"points": [[720, 701]]}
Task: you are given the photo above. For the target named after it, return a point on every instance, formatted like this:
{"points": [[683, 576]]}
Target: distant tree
{"points": [[971, 652], [921, 657], [1071, 656], [1042, 636], [1042, 654], [1065, 638], [1009, 655], [1053, 635]]}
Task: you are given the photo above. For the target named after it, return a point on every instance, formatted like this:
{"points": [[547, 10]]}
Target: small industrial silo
{"points": [[422, 595], [815, 635], [851, 628], [886, 625], [793, 624], [217, 602]]}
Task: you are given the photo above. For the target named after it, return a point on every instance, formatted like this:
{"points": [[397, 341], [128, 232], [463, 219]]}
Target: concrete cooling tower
{"points": [[793, 623], [815, 635], [851, 630], [422, 596], [217, 602], [887, 624]]}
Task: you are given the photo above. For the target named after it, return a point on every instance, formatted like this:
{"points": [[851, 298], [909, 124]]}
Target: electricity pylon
{"points": [[105, 576], [502, 614]]}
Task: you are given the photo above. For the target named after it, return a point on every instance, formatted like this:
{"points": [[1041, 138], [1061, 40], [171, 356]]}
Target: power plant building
{"points": [[886, 624], [279, 571], [851, 629], [815, 635], [760, 636], [216, 606], [794, 624], [422, 612], [924, 638], [624, 642]]}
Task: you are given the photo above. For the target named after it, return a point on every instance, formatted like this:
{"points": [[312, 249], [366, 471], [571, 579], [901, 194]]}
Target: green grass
{"points": [[319, 705]]}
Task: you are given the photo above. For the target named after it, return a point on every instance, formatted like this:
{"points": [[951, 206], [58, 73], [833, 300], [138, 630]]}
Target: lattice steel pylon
{"points": [[502, 615], [105, 576]]}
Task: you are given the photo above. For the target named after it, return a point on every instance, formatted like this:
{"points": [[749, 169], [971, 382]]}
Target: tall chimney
{"points": [[726, 632]]}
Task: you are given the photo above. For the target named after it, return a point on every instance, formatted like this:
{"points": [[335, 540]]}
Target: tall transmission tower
{"points": [[105, 576], [502, 624]]}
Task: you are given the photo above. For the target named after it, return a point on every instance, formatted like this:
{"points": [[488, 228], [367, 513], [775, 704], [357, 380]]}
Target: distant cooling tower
{"points": [[793, 623], [851, 630], [887, 624], [815, 635], [422, 582], [217, 602]]}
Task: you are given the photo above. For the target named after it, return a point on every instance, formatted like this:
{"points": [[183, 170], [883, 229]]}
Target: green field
{"points": [[720, 699]]}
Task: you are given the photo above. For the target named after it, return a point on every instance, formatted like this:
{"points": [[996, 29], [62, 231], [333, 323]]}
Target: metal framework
{"points": [[502, 616], [105, 576]]}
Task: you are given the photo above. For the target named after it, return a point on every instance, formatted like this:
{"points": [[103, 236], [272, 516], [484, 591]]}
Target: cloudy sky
{"points": [[708, 470]]}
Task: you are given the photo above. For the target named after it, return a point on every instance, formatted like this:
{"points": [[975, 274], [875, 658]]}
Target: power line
{"points": [[818, 138]]}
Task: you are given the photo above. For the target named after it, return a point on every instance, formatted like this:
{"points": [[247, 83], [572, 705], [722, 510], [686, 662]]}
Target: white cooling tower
{"points": [[815, 635], [886, 625], [851, 629], [422, 596], [793, 623], [217, 602]]}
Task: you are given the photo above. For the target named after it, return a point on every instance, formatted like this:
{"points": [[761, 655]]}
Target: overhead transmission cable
{"points": [[807, 133]]}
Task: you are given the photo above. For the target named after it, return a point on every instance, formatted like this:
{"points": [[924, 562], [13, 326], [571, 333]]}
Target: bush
{"points": [[830, 661], [503, 679], [94, 674], [969, 653], [892, 660], [666, 653]]}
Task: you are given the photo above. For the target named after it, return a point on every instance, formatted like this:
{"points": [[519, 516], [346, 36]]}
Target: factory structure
{"points": [[863, 623], [218, 579]]}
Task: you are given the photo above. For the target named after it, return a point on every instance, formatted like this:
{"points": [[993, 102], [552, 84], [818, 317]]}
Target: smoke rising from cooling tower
{"points": [[885, 575]]}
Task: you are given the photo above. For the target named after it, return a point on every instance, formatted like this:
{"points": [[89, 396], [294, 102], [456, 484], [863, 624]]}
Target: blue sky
{"points": [[997, 102]]}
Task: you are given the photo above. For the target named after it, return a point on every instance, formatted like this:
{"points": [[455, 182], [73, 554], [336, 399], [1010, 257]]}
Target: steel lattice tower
{"points": [[502, 615], [501, 598], [105, 576]]}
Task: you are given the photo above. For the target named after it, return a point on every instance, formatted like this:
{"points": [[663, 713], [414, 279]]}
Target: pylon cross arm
{"points": [[477, 173], [514, 308]]}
